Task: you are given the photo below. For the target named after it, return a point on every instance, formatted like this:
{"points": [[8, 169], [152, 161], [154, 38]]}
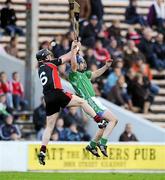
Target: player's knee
{"points": [[114, 120]]}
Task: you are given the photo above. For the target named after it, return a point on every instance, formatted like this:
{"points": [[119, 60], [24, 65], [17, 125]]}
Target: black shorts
{"points": [[55, 100]]}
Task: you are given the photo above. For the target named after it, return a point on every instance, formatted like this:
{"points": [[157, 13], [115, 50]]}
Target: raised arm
{"points": [[68, 56], [100, 71], [74, 50], [74, 64]]}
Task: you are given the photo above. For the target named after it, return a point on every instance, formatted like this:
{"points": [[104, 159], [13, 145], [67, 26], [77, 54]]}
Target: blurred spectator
{"points": [[19, 101], [90, 58], [72, 116], [147, 77], [101, 54], [120, 64], [119, 94], [129, 77], [85, 9], [9, 131], [40, 134], [112, 79], [1, 90], [6, 87], [73, 134], [90, 32], [141, 96], [55, 136], [114, 30], [65, 47], [44, 45], [8, 20], [56, 45], [128, 135], [97, 88], [131, 15], [131, 54], [147, 47], [133, 35], [70, 36], [156, 15], [103, 35], [113, 49], [76, 116], [59, 128], [140, 66], [3, 108], [144, 69], [159, 47], [12, 47], [39, 117], [97, 9]]}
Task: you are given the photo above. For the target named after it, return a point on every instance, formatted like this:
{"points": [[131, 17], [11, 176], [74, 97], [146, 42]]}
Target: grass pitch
{"points": [[79, 176]]}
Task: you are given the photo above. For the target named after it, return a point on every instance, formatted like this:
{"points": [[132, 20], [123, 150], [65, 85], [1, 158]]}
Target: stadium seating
{"points": [[25, 123], [54, 19]]}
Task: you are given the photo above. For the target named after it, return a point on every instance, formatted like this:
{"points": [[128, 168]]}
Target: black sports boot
{"points": [[92, 150], [103, 149], [41, 158]]}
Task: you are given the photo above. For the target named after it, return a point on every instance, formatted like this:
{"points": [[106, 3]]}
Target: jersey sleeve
{"points": [[57, 62], [88, 74]]}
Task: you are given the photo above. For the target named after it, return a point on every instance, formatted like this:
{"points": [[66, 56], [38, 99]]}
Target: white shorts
{"points": [[96, 105]]}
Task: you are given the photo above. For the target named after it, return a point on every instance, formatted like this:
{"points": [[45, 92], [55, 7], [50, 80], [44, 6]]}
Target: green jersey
{"points": [[81, 82]]}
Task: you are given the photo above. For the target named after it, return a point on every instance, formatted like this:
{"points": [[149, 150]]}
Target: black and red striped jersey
{"points": [[48, 74]]}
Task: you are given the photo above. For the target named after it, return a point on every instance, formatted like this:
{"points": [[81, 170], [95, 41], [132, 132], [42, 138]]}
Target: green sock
{"points": [[93, 144], [103, 141]]}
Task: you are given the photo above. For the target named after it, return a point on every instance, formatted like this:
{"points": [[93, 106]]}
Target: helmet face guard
{"points": [[80, 60], [42, 54]]}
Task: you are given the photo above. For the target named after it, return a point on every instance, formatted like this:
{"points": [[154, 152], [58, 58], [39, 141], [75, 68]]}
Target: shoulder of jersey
{"points": [[42, 65]]}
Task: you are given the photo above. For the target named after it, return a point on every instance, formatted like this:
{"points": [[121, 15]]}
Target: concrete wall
{"points": [[13, 156], [9, 64]]}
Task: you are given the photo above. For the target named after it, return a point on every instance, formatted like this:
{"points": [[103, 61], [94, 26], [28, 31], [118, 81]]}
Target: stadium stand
{"points": [[54, 20]]}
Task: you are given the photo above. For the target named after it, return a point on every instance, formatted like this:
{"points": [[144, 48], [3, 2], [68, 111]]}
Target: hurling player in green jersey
{"points": [[80, 79]]}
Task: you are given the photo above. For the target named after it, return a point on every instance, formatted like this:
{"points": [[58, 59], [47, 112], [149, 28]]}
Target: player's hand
{"points": [[79, 44], [74, 50], [74, 47], [108, 63], [74, 44]]}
